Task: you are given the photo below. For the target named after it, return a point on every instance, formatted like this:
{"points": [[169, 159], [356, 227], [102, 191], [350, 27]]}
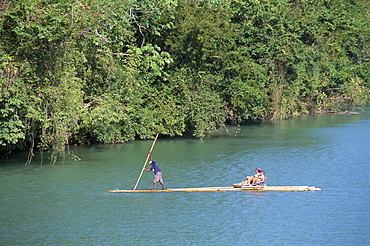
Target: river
{"points": [[66, 203]]}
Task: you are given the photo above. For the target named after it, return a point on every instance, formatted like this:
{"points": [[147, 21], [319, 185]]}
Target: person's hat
{"points": [[258, 169], [150, 162]]}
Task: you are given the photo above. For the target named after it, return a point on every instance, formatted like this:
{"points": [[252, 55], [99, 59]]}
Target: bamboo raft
{"points": [[249, 188]]}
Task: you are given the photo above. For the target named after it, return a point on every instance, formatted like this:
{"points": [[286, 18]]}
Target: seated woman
{"points": [[258, 177]]}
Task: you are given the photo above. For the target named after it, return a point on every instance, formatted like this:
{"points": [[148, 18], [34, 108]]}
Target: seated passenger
{"points": [[250, 178], [258, 177]]}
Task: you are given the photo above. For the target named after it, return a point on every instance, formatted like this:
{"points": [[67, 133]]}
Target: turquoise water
{"points": [[66, 203]]}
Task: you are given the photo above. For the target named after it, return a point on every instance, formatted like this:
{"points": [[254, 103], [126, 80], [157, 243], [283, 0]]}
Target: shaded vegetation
{"points": [[85, 71]]}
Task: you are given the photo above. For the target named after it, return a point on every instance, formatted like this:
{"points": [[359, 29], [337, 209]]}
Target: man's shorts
{"points": [[158, 178]]}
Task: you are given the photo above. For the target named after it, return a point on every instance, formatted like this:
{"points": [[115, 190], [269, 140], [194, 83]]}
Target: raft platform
{"points": [[208, 189]]}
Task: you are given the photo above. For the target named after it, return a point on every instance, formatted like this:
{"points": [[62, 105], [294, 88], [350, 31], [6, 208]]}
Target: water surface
{"points": [[66, 203]]}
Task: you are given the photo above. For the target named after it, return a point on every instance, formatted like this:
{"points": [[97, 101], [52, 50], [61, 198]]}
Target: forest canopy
{"points": [[89, 71]]}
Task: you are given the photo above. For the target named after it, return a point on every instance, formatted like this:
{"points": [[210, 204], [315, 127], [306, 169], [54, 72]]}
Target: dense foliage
{"points": [[111, 71]]}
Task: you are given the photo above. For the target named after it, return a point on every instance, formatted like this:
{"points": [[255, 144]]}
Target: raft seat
{"points": [[261, 183]]}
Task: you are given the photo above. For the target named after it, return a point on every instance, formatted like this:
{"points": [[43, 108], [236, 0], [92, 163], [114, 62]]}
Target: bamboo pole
{"points": [[147, 157]]}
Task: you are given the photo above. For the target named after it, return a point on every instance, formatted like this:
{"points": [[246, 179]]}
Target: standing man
{"points": [[157, 173]]}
